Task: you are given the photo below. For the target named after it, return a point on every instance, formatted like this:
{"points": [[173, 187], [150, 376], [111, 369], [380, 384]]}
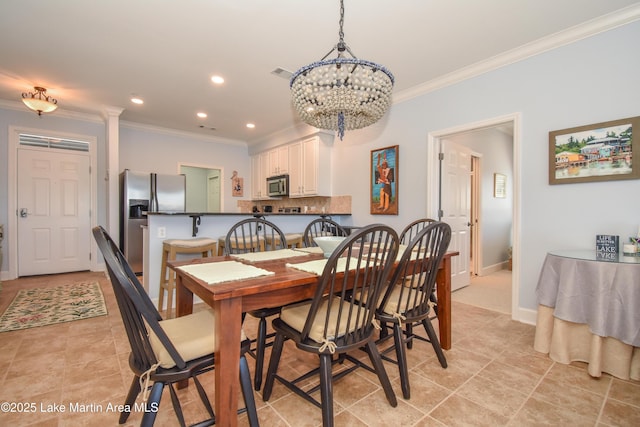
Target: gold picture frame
{"points": [[596, 152]]}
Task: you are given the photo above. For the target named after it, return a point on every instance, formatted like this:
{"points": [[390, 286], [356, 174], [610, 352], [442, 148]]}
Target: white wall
{"points": [[155, 151], [590, 81]]}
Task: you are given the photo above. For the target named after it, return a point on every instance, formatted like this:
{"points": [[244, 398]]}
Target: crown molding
{"points": [[545, 44], [185, 134]]}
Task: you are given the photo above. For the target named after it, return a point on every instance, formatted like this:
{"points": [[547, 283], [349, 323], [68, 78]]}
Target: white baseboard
{"points": [[485, 271], [526, 315]]}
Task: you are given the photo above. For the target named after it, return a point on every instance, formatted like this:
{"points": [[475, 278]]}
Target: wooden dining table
{"points": [[286, 285]]}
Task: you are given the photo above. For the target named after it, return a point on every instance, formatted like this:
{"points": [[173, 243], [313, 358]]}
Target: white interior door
{"points": [[213, 194], [54, 202], [456, 207]]}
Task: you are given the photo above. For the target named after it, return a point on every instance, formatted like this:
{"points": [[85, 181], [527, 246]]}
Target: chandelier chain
{"points": [[341, 32], [341, 93]]}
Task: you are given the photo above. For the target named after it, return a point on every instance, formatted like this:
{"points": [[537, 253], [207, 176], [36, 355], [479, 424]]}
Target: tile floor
{"points": [[494, 378]]}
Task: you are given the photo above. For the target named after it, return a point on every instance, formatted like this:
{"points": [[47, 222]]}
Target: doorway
{"points": [[483, 255], [75, 238], [204, 188]]}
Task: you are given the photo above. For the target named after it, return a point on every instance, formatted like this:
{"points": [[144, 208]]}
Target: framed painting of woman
{"points": [[384, 181]]}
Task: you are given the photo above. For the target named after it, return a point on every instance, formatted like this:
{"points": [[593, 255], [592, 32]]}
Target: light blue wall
{"points": [[590, 81]]}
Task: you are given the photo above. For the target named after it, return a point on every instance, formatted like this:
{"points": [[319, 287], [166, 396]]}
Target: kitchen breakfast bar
{"points": [[162, 226]]}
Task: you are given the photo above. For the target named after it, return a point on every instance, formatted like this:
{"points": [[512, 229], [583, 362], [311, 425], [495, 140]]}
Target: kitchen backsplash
{"points": [[330, 205]]}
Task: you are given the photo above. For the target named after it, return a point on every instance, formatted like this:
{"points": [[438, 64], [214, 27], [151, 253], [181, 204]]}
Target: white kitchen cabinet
{"points": [[309, 168], [259, 169], [278, 161]]}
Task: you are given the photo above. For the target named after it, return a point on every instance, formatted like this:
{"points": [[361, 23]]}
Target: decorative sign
{"points": [[237, 185], [607, 246]]}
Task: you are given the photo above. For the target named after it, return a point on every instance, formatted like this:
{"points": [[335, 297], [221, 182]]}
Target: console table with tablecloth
{"points": [[589, 311]]}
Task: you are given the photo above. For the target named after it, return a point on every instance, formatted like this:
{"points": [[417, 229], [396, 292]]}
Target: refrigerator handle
{"points": [[154, 193]]}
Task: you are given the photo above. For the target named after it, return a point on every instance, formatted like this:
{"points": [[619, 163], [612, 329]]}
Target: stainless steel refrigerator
{"points": [[142, 192]]}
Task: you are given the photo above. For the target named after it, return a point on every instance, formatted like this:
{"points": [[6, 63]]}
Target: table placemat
{"points": [[225, 271], [310, 250], [269, 255], [317, 266]]}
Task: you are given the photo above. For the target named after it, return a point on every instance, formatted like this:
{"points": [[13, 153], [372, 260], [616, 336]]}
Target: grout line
{"points": [[604, 402]]}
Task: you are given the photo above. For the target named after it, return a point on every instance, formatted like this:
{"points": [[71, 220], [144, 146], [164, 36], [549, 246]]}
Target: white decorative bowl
{"points": [[328, 243]]}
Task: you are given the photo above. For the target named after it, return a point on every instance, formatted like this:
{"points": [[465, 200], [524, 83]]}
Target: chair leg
{"points": [[134, 391], [153, 403], [409, 336], [177, 408], [247, 392], [261, 343], [401, 357], [204, 398], [276, 352], [376, 360], [434, 341], [326, 390]]}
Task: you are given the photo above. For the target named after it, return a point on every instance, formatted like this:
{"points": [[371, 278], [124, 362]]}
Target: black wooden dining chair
{"points": [[407, 299], [321, 227], [332, 323], [411, 230], [165, 352], [257, 235]]}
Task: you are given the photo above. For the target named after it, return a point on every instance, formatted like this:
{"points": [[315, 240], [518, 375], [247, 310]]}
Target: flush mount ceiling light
{"points": [[341, 93], [39, 101]]}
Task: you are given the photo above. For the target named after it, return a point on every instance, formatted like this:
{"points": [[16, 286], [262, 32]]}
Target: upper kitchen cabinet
{"points": [[309, 168], [278, 161], [259, 173]]}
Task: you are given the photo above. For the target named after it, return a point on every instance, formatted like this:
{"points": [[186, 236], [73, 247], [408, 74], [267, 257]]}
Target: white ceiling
{"points": [[92, 55]]}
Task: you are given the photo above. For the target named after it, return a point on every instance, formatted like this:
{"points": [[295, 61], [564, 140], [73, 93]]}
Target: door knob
{"points": [[23, 212]]}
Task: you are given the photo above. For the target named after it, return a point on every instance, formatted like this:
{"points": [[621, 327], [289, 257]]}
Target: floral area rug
{"points": [[57, 304]]}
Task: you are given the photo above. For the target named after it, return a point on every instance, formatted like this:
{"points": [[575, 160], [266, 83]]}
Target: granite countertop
{"points": [[248, 213]]}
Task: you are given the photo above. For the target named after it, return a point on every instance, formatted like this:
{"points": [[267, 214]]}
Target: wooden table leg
{"points": [[227, 372], [184, 298], [443, 289]]}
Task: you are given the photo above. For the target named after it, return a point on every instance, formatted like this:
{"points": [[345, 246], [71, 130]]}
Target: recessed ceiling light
{"points": [[137, 100], [217, 80], [202, 115], [251, 125]]}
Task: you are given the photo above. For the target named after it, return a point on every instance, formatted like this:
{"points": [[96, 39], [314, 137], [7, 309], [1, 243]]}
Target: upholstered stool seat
{"points": [[258, 245], [170, 249], [294, 240]]}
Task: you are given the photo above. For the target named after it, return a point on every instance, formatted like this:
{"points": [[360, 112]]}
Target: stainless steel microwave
{"points": [[278, 186]]}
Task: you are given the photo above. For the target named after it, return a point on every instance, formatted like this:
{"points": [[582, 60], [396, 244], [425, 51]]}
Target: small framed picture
{"points": [[499, 185], [597, 152], [384, 181]]}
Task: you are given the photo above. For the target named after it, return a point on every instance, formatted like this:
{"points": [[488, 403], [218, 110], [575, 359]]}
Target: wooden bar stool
{"points": [[294, 240], [258, 246], [170, 248]]}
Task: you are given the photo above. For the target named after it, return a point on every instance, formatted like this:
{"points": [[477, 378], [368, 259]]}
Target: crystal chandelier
{"points": [[341, 93], [39, 101]]}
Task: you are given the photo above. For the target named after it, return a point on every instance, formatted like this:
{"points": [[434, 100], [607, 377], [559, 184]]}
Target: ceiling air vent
{"points": [[281, 72]]}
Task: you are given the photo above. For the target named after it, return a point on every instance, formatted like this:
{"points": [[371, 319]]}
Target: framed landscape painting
{"points": [[384, 181], [597, 152]]}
